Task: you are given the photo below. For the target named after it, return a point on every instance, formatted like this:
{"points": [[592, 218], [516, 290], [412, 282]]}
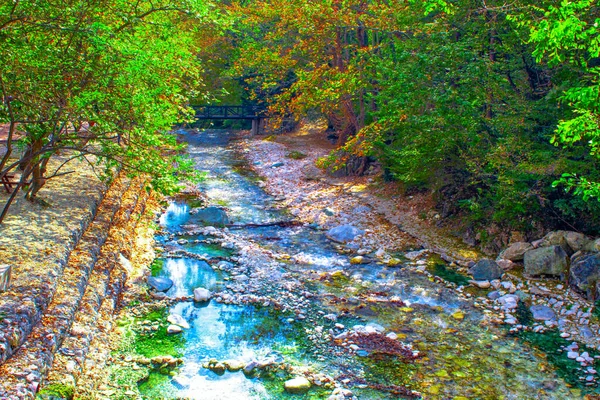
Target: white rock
{"points": [[201, 295], [176, 319], [174, 329]]}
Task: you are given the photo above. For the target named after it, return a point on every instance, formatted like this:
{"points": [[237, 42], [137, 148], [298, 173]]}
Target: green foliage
{"points": [[296, 155], [56, 391], [101, 81], [568, 33]]}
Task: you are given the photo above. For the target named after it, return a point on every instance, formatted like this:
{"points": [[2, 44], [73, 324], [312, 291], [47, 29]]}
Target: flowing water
{"points": [[459, 356]]}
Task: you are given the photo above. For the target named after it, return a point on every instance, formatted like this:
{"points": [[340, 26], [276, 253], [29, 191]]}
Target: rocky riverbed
{"points": [[274, 281]]}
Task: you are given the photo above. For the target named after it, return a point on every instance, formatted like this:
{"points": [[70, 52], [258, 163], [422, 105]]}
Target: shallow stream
{"points": [[316, 288]]}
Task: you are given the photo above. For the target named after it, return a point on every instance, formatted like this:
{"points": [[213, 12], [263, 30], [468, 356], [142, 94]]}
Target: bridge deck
{"points": [[229, 112]]}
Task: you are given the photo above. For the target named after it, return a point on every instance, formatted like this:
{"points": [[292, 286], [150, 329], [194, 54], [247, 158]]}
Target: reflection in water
{"points": [[187, 275]]}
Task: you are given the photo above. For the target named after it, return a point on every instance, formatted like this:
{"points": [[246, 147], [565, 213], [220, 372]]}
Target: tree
{"points": [[568, 32], [101, 79]]}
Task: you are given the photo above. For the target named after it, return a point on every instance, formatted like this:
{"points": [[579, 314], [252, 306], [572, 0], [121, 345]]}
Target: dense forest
{"points": [[493, 107]]}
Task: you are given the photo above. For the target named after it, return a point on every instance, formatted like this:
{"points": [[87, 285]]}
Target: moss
{"points": [[296, 155], [523, 314], [157, 266], [56, 391], [442, 271], [596, 311], [549, 343], [154, 386], [158, 343]]}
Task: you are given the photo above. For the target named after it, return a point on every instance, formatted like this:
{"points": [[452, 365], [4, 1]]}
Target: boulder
{"points": [[178, 320], [542, 313], [585, 273], [508, 301], [577, 241], [297, 385], [551, 260], [159, 283], [343, 233], [486, 270], [557, 238], [312, 173], [202, 295], [506, 265], [174, 329], [211, 215], [515, 251], [234, 365], [592, 246]]}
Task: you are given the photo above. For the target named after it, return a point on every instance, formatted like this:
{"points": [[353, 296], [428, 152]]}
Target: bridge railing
{"points": [[230, 112]]}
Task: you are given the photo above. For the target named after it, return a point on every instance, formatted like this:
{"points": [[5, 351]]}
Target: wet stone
{"points": [[159, 283], [542, 313], [297, 385]]}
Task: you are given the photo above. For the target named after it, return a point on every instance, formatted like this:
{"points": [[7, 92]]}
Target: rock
{"points": [[486, 270], [413, 255], [359, 260], [557, 238], [312, 173], [481, 284], [515, 251], [202, 295], [174, 329], [159, 283], [592, 246], [552, 260], [233, 365], [250, 367], [508, 301], [506, 265], [542, 313], [343, 233], [585, 273], [459, 315], [297, 385], [176, 319], [576, 241], [393, 262], [217, 368], [211, 215], [494, 295]]}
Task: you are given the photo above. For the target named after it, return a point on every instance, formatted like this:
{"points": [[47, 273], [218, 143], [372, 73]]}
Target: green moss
{"points": [[56, 391], [442, 271], [387, 370], [549, 343], [157, 266], [296, 155], [596, 311], [155, 386], [158, 343], [523, 314]]}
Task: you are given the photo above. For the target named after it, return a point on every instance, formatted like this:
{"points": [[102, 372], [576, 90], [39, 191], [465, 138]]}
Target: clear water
{"points": [[462, 357]]}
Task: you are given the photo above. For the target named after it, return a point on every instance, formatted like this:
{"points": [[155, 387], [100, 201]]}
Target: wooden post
{"points": [[255, 126], [5, 271]]}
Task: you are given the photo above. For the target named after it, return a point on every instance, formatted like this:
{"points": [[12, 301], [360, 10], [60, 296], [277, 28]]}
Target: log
{"points": [[283, 224]]}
